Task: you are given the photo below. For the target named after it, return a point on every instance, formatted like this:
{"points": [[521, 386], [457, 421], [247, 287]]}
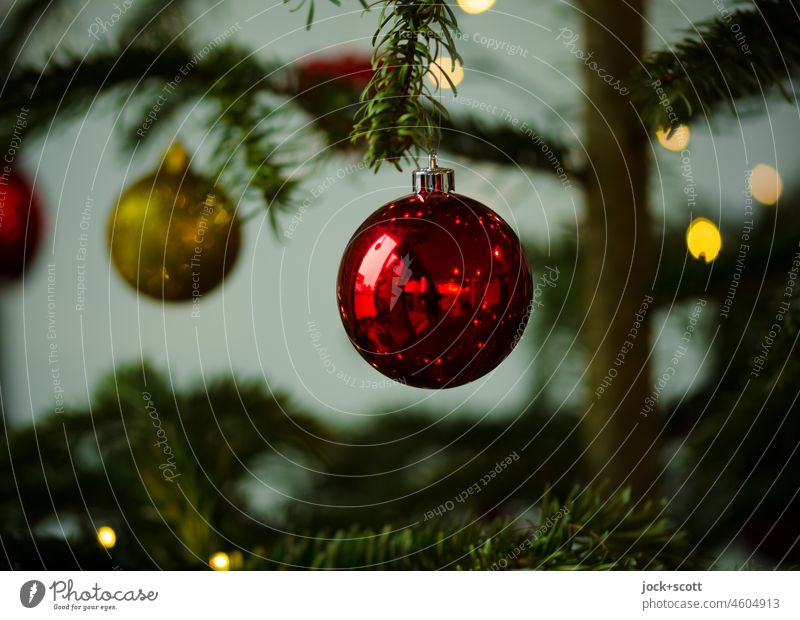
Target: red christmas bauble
{"points": [[20, 224], [434, 289]]}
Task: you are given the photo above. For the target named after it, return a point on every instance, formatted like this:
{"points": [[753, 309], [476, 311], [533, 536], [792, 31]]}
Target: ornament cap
{"points": [[433, 178], [176, 159]]}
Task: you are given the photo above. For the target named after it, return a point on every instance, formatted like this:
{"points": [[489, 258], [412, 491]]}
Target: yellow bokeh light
{"points": [[766, 184], [107, 537], [219, 561], [444, 66], [677, 140], [703, 239], [473, 7]]}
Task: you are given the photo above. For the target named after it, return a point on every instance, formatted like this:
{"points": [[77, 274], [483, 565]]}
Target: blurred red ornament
{"points": [[328, 88], [20, 224], [434, 289], [354, 69]]}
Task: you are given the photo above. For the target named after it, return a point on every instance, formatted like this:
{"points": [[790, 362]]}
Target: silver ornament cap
{"points": [[433, 178]]}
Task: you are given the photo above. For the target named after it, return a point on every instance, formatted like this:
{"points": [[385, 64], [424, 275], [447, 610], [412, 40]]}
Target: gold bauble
{"points": [[173, 234]]}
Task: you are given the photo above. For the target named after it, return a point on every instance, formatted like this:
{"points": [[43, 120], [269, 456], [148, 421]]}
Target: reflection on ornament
{"points": [[219, 561], [444, 66], [473, 7], [703, 239], [434, 288], [677, 140], [106, 536], [20, 224], [765, 184], [173, 234]]}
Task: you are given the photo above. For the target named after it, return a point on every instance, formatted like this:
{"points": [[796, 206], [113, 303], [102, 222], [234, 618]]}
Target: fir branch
{"points": [[17, 25], [398, 111], [69, 84], [105, 464], [328, 103], [469, 137], [244, 129], [584, 532], [153, 23], [249, 153], [228, 77], [741, 54]]}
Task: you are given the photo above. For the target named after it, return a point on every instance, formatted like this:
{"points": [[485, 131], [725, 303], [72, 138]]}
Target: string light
{"points": [[473, 7], [677, 140], [703, 239], [219, 561], [444, 66], [766, 184], [106, 536]]}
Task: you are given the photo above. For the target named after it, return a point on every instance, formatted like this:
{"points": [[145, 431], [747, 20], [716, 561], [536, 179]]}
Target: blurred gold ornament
{"points": [[173, 234], [703, 239], [677, 140], [765, 184]]}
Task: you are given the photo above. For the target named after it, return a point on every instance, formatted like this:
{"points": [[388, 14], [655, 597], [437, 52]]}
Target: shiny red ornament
{"points": [[20, 224], [434, 289]]}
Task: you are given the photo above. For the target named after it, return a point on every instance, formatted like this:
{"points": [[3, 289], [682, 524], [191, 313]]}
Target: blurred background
{"points": [[279, 432]]}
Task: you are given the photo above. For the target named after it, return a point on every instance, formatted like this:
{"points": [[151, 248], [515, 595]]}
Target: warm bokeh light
{"points": [[219, 561], [677, 140], [444, 65], [473, 7], [106, 536], [766, 184], [703, 239]]}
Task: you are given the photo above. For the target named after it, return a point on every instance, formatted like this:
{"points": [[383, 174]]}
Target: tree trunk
{"points": [[616, 247]]}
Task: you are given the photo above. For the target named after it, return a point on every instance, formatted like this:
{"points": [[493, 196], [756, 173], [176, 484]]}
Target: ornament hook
{"points": [[433, 178]]}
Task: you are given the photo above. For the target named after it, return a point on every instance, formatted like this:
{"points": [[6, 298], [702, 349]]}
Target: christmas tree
{"points": [[177, 390]]}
